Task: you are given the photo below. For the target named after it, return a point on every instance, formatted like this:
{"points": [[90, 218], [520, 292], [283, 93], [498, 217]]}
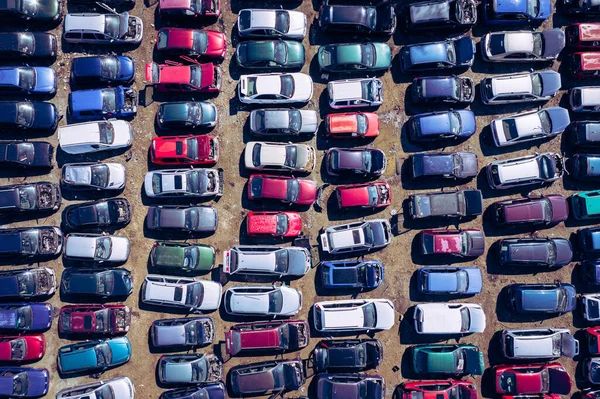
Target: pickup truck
{"points": [[460, 203]]}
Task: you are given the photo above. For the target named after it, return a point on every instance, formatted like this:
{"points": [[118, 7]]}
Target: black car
{"points": [[26, 154], [347, 354], [590, 271], [584, 133], [582, 7], [583, 166], [589, 242], [27, 45], [343, 386], [30, 197], [103, 70], [31, 242], [28, 115], [34, 10], [271, 376], [355, 161], [379, 19], [113, 212], [186, 115], [103, 283], [441, 14], [442, 89]]}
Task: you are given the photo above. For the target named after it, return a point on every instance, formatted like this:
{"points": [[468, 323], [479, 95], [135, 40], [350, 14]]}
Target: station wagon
{"points": [[261, 336], [585, 99], [585, 205]]}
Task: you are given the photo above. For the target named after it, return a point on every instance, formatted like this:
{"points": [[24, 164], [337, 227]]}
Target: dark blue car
{"points": [[352, 274], [443, 125], [205, 391], [113, 102], [542, 298], [28, 115], [23, 316], [443, 89], [585, 166], [590, 271], [29, 80], [516, 11], [454, 165], [449, 280], [102, 70], [589, 241], [448, 54]]}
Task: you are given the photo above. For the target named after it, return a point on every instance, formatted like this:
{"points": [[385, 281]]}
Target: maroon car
{"points": [[289, 335], [469, 243], [94, 319], [532, 378], [546, 210]]}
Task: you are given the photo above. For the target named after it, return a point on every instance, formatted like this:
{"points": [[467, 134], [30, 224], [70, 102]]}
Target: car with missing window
{"points": [[186, 115], [447, 359], [286, 189], [516, 12], [194, 368], [275, 88], [279, 157], [378, 19], [30, 197], [452, 242], [449, 280], [367, 195], [449, 318], [188, 332], [90, 137], [181, 292], [112, 28], [181, 183], [591, 307], [22, 348], [103, 70], [31, 242], [534, 169], [27, 45], [33, 11], [441, 125], [189, 9], [120, 387], [538, 343], [24, 382], [545, 210], [532, 379], [361, 236], [355, 57], [441, 14], [93, 355], [257, 23], [354, 315], [520, 87], [192, 42], [522, 46], [541, 298], [34, 115], [111, 213], [190, 219], [273, 224], [253, 301], [181, 257], [347, 355], [344, 274], [361, 386], [368, 162], [352, 125], [25, 317], [267, 336], [447, 54], [355, 93], [106, 319], [283, 122], [442, 89], [110, 102], [536, 252], [592, 334], [270, 54], [93, 176], [27, 283], [267, 377], [528, 126], [96, 283], [267, 260], [453, 165], [96, 248]]}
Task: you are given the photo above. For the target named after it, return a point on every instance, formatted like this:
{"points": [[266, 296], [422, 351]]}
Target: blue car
{"points": [[589, 241], [444, 125], [585, 166], [449, 280], [516, 11], [453, 165], [113, 102], [29, 80], [205, 391], [103, 70], [542, 298], [94, 355], [447, 54], [23, 382], [442, 89], [352, 274], [23, 316]]}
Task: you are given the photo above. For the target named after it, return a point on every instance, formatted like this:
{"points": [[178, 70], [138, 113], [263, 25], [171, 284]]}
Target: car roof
{"points": [[520, 83], [518, 42], [80, 246], [590, 95], [347, 90], [262, 18], [519, 170], [276, 119], [347, 238], [428, 52], [86, 22], [342, 317]]}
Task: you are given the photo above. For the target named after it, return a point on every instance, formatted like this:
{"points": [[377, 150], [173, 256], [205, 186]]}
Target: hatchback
{"points": [[449, 318], [283, 122], [591, 307], [189, 219], [355, 57], [28, 115], [343, 274], [583, 35], [188, 332], [358, 236], [379, 19], [520, 87], [541, 298], [528, 126], [112, 213], [538, 343], [354, 315], [454, 165], [546, 252], [285, 24], [516, 12], [95, 283], [267, 377], [182, 257], [352, 125], [531, 379], [192, 42], [274, 224], [189, 369], [441, 14], [27, 45], [265, 260], [210, 390], [447, 359], [354, 93], [449, 280], [103, 70], [347, 355], [522, 46], [367, 195], [96, 248], [275, 88], [279, 157], [27, 80], [584, 133], [443, 125], [186, 115], [442, 89], [360, 386], [585, 167], [272, 301], [43, 11], [181, 292], [368, 162], [110, 28], [526, 170], [448, 54], [589, 241]]}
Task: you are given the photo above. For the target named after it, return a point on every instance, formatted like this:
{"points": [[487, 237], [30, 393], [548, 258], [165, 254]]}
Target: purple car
{"points": [[354, 161], [547, 210], [205, 391], [549, 252], [23, 382], [25, 316], [454, 165]]}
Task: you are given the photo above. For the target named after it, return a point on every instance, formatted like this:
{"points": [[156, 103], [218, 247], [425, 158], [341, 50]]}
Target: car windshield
{"points": [[194, 294], [454, 123], [104, 392], [368, 54], [450, 52], [103, 355], [109, 100], [282, 224], [102, 320], [103, 247], [284, 335], [509, 127], [293, 190], [546, 167], [24, 317], [18, 349], [537, 85], [538, 44], [464, 244], [287, 86], [462, 281], [20, 384], [29, 7], [162, 40], [546, 122], [459, 361], [199, 41], [111, 25], [361, 122], [99, 176], [192, 148], [194, 112], [105, 283], [456, 87], [295, 123], [465, 319], [109, 67], [195, 75], [26, 78], [156, 183], [371, 18], [369, 315], [259, 118], [282, 21], [190, 257], [367, 161], [547, 210], [291, 153], [282, 260], [24, 114], [275, 301], [27, 197], [107, 132], [281, 52], [26, 283], [368, 233], [533, 7], [367, 89], [373, 195], [199, 370]]}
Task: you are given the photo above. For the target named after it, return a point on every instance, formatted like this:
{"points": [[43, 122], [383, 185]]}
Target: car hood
{"points": [[560, 381], [297, 23], [551, 82], [386, 315], [554, 42], [560, 208], [303, 87], [467, 122], [120, 349], [477, 320], [564, 252], [559, 117], [45, 80], [475, 280], [380, 232], [292, 301], [310, 121], [476, 243], [46, 116], [120, 249], [212, 295], [465, 51], [123, 133], [469, 166], [116, 175], [384, 55]]}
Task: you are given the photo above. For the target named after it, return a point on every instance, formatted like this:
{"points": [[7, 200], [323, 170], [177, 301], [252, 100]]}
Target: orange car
{"points": [[352, 124]]}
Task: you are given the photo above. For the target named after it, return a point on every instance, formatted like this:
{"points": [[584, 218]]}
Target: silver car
{"points": [[262, 301], [527, 170], [181, 292], [93, 176], [283, 122], [115, 388], [272, 23], [195, 368], [538, 343], [278, 157], [96, 28], [522, 46], [520, 87], [267, 260]]}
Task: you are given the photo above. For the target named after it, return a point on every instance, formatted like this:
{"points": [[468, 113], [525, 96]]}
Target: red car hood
{"points": [[208, 75], [216, 40], [447, 244], [308, 192]]}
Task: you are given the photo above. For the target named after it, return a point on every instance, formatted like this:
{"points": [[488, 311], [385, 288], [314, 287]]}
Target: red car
{"points": [[437, 389], [593, 339], [184, 150], [352, 124], [22, 348], [184, 78], [94, 319], [193, 42], [532, 378], [273, 223], [289, 335], [469, 243], [286, 189], [366, 195], [189, 8]]}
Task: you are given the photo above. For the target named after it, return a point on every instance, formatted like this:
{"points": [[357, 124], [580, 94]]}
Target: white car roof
{"points": [[262, 19], [346, 238], [89, 133], [519, 170], [532, 346], [169, 181], [441, 318], [87, 21], [337, 318], [346, 90], [164, 291], [528, 124], [264, 261], [80, 246], [270, 154], [250, 302], [268, 84], [518, 42], [512, 84], [590, 96]]}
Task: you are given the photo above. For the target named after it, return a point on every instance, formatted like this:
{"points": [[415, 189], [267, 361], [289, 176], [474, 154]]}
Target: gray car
{"points": [[267, 260], [190, 369], [263, 300], [520, 87], [522, 46], [182, 332], [96, 28], [538, 343], [283, 122], [192, 219]]}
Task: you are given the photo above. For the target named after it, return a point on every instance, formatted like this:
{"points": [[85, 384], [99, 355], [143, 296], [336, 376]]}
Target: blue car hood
{"points": [[475, 281], [551, 82], [467, 121], [465, 51], [45, 80], [559, 117], [120, 349], [126, 68]]}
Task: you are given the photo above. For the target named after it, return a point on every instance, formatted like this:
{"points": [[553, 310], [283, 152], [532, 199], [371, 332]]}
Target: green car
{"points": [[455, 360], [586, 205], [182, 257], [270, 54], [355, 57]]}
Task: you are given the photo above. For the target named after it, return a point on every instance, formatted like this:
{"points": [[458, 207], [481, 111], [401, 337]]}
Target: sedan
{"points": [[271, 23], [444, 125], [263, 156], [105, 70], [516, 12], [262, 301], [22, 348], [448, 54], [98, 283], [347, 354], [447, 359], [27, 283], [186, 115], [520, 87], [367, 195], [267, 260], [283, 122], [526, 170], [27, 80], [96, 248], [546, 252], [182, 332], [542, 298], [464, 243], [195, 78], [121, 387], [23, 382], [352, 125], [104, 214], [25, 317], [350, 386], [267, 377], [182, 257], [20, 154], [368, 162], [187, 150], [454, 165], [532, 379], [274, 224], [195, 368], [546, 210], [191, 42], [292, 190], [90, 137], [275, 88], [182, 183], [449, 318], [344, 274], [94, 355], [522, 46], [442, 89], [534, 125], [28, 115], [355, 57], [93, 176], [448, 280], [270, 54], [46, 11], [28, 45], [192, 219], [188, 293], [30, 198], [441, 14]]}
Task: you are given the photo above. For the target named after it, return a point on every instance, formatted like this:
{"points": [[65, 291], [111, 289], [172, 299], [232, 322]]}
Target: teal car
{"points": [[272, 54], [586, 205], [94, 355], [447, 359], [355, 57]]}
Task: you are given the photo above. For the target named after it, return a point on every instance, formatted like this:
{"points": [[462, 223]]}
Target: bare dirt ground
{"points": [[400, 259]]}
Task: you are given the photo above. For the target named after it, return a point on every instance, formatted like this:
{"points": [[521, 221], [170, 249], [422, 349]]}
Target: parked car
{"points": [[355, 57], [273, 223], [94, 282], [192, 42], [286, 24], [459, 203], [190, 219], [263, 336], [34, 115], [90, 137], [528, 126], [94, 104], [357, 19], [518, 12], [585, 205], [447, 359], [582, 35], [27, 45], [442, 125], [267, 260], [546, 252], [203, 78], [583, 65], [532, 379], [181, 183], [441, 14], [520, 87], [589, 241], [447, 54], [354, 315], [102, 70], [590, 272], [181, 292], [21, 154], [449, 280], [270, 301], [283, 122], [584, 7], [442, 389], [103, 214], [45, 11], [522, 46], [93, 28], [292, 190], [367, 195], [30, 197], [585, 99], [343, 274], [590, 368], [25, 317], [541, 298], [93, 176], [443, 89], [358, 236], [122, 387], [24, 382], [585, 167], [96, 248], [449, 318], [279, 157], [267, 377], [27, 283], [270, 54], [210, 390], [584, 133], [456, 165], [185, 150], [182, 332], [464, 243], [275, 88], [352, 125], [538, 343], [340, 386], [526, 170], [94, 319], [355, 93], [93, 355], [347, 355], [591, 307], [182, 256], [592, 334], [31, 242], [189, 9], [186, 115], [545, 210], [194, 368], [369, 162], [27, 80]]}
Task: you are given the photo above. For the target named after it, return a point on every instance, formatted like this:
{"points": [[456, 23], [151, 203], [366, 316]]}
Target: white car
{"points": [[263, 300], [354, 93], [279, 157], [88, 137], [534, 125], [96, 248], [357, 236], [538, 343], [585, 99], [115, 388], [522, 46], [520, 87], [267, 260], [354, 315], [272, 23], [184, 183], [529, 169], [449, 318], [94, 176], [181, 292], [275, 88], [95, 28]]}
